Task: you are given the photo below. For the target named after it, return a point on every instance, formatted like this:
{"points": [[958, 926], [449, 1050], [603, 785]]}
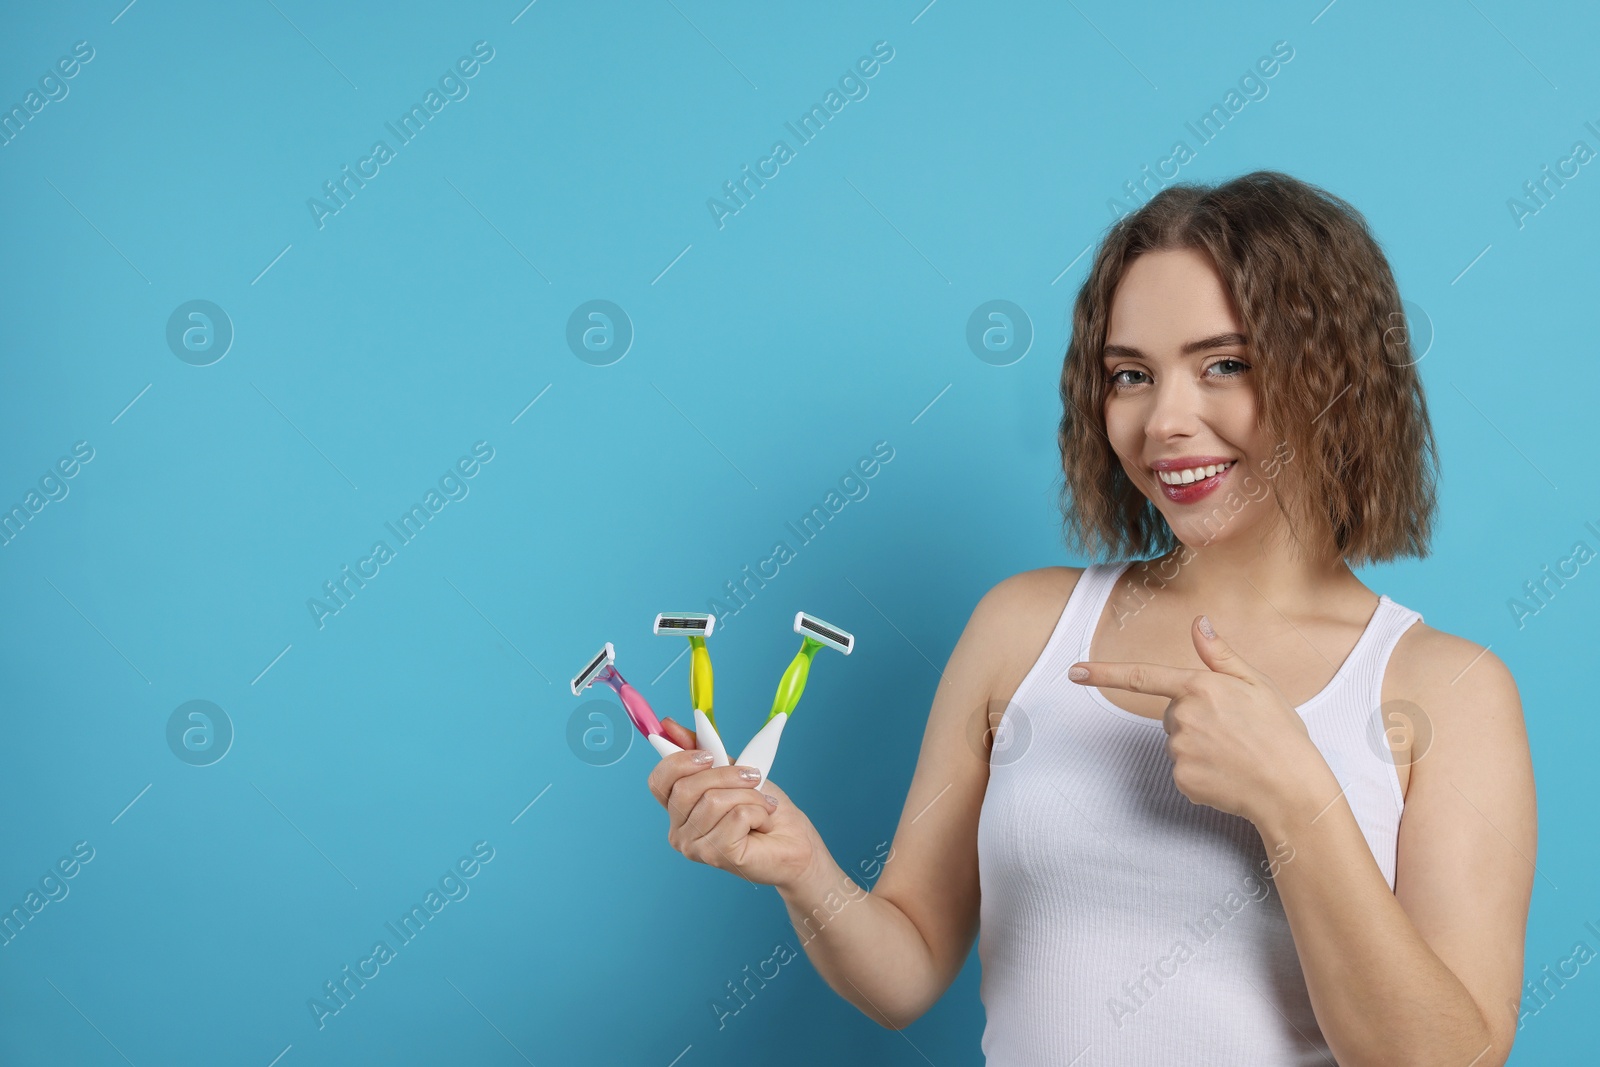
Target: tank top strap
{"points": [[1088, 601], [1389, 624], [1073, 629]]}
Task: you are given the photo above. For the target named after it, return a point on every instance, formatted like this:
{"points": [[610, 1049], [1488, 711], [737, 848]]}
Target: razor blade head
{"points": [[606, 657], [685, 623], [827, 633]]}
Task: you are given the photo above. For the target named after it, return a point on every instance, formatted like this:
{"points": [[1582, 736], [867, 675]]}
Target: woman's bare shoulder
{"points": [[1030, 595], [1466, 712], [1042, 583], [1432, 663]]}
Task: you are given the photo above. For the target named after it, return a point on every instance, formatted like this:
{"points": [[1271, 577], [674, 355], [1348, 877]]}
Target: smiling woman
{"points": [[1232, 405], [1316, 371]]}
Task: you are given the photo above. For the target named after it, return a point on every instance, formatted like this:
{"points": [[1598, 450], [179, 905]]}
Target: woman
{"points": [[1183, 835]]}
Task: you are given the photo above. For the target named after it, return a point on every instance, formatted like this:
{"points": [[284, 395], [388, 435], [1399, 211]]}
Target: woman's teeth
{"points": [[1193, 474]]}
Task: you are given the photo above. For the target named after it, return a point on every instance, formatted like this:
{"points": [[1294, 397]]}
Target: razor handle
{"points": [[793, 682], [700, 678]]}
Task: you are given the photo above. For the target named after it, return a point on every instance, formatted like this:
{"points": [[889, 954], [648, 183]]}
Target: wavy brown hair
{"points": [[1332, 367]]}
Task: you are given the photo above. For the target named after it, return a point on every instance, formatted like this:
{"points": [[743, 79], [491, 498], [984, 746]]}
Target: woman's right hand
{"points": [[717, 817]]}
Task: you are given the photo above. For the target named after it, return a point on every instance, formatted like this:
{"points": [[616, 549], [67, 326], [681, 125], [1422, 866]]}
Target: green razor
{"points": [[815, 634]]}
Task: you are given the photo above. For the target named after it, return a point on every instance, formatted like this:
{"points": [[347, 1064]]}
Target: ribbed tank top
{"points": [[1120, 922]]}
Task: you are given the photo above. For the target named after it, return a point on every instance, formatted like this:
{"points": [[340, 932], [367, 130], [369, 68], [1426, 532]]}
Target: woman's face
{"points": [[1180, 400]]}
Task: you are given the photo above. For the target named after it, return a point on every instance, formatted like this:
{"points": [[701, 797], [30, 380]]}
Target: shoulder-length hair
{"points": [[1332, 365]]}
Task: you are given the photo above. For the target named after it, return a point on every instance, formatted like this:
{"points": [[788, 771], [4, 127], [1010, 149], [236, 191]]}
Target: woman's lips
{"points": [[1188, 494]]}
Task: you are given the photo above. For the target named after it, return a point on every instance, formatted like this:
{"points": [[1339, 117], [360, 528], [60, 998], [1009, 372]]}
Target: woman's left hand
{"points": [[1235, 742]]}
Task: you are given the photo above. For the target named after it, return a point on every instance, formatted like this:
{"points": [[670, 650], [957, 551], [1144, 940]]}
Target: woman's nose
{"points": [[1174, 411]]}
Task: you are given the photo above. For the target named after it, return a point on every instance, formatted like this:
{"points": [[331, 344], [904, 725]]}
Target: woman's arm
{"points": [[893, 952], [1432, 973]]}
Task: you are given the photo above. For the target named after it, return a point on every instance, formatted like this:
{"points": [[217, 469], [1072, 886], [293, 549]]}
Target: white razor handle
{"points": [[706, 737], [763, 747]]}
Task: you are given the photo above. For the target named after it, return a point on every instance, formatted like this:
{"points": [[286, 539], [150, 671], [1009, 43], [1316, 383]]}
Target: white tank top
{"points": [[1122, 923]]}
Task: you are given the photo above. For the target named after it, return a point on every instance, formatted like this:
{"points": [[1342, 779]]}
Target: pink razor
{"points": [[602, 669]]}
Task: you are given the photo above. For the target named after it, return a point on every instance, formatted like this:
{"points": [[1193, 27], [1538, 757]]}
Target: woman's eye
{"points": [[1232, 368]]}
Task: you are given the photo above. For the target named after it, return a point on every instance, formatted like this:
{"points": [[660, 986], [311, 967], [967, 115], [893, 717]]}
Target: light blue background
{"points": [[769, 356]]}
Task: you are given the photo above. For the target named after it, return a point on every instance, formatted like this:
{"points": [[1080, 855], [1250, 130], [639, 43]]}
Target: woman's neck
{"points": [[1239, 578]]}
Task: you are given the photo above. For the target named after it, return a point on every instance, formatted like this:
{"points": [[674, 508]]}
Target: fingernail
{"points": [[750, 774], [772, 801], [1078, 674], [1205, 626], [702, 757]]}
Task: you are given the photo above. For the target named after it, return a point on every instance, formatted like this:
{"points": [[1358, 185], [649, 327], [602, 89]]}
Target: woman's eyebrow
{"points": [[1205, 344]]}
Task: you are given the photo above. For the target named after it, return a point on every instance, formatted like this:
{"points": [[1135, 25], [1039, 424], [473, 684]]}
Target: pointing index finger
{"points": [[1133, 677]]}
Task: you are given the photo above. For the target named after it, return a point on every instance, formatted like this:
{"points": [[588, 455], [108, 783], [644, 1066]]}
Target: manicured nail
{"points": [[772, 801], [1078, 674], [1205, 626], [750, 774], [702, 757]]}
